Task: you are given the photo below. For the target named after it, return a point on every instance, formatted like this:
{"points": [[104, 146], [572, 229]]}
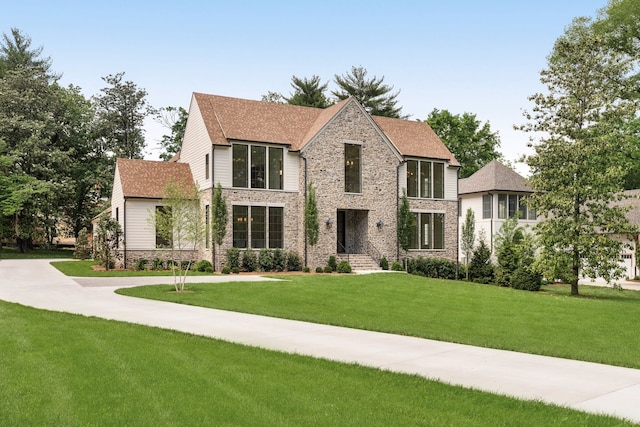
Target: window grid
{"points": [[258, 166], [425, 179], [428, 231], [258, 227]]}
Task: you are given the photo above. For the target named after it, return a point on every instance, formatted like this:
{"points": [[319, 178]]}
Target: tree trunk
{"points": [[574, 283]]}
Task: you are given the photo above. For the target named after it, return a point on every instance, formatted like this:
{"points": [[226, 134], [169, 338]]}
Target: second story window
{"points": [[487, 201], [425, 179], [206, 166], [257, 166], [352, 170]]}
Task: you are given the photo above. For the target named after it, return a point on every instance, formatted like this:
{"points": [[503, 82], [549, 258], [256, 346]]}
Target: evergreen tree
{"points": [[308, 92], [468, 237]]}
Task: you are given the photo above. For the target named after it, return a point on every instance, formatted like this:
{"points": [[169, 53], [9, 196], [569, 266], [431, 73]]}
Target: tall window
{"points": [[257, 166], [352, 173], [240, 226], [487, 207], [425, 179], [163, 213], [258, 227], [428, 231], [510, 204], [206, 166]]}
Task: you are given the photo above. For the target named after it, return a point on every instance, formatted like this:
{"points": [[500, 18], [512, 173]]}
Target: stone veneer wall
{"points": [[325, 168], [134, 255]]}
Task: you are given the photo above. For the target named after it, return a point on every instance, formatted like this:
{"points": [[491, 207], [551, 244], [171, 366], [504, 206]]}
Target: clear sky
{"points": [[477, 56]]}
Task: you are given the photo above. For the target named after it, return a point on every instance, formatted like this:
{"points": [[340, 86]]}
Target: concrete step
{"points": [[359, 261]]}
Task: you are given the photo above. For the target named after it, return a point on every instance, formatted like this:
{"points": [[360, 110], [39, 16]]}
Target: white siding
{"points": [[402, 178], [291, 171], [196, 146], [450, 183], [222, 162], [117, 199], [141, 233]]}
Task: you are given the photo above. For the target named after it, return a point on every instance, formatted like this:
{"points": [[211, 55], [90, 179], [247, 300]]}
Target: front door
{"points": [[342, 232]]}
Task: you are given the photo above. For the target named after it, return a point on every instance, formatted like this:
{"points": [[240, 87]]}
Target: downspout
{"points": [[210, 219], [458, 205], [304, 208], [124, 232]]}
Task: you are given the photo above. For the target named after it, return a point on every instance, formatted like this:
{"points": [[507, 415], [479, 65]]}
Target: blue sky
{"points": [[481, 57]]}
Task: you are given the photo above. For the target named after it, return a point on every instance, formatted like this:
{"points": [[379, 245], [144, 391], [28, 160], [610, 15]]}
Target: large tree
{"points": [[377, 97], [578, 167], [471, 142], [174, 119], [16, 51], [309, 92], [121, 109]]}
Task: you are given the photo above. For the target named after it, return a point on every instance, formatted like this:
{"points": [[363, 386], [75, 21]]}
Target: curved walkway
{"points": [[584, 386]]}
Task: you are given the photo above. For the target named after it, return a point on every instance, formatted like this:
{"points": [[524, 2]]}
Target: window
{"points": [[428, 232], [206, 166], [240, 226], [117, 214], [257, 166], [162, 217], [265, 229], [352, 154], [207, 231], [510, 204], [487, 201], [425, 179]]}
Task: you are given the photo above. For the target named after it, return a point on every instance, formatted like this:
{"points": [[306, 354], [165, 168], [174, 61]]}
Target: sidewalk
{"points": [[579, 385]]}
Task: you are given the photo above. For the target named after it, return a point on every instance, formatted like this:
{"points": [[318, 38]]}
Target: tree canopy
{"points": [[16, 51], [578, 169], [174, 119], [472, 143]]}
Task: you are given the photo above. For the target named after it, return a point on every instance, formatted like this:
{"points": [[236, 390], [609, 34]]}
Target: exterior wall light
{"points": [[380, 223], [329, 222]]}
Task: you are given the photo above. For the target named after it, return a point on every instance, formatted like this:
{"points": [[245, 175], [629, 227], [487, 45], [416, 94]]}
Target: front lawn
{"points": [[85, 269], [88, 371], [601, 326]]}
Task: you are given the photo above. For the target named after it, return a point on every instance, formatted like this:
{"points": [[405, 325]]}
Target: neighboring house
{"points": [[495, 193], [629, 255], [265, 154]]}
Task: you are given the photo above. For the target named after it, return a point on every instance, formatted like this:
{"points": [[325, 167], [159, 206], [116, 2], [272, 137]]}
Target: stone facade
{"points": [[450, 210], [133, 256]]}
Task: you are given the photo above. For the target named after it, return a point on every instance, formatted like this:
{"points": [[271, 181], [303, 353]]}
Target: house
{"points": [[265, 155], [495, 193]]}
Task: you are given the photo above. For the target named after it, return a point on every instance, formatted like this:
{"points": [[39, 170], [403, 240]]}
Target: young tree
{"points": [[311, 225], [507, 249], [174, 119], [308, 92], [578, 167], [219, 219], [472, 143], [120, 113], [468, 237], [179, 223], [107, 240], [406, 222], [480, 268], [376, 97]]}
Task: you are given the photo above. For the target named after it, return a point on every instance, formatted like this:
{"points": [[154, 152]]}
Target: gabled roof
{"points": [[146, 178], [494, 176], [227, 119]]}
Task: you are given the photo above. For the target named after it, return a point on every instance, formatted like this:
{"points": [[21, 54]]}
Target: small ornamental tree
{"points": [[179, 224], [311, 225], [107, 240], [468, 237], [406, 221], [82, 251], [219, 220]]}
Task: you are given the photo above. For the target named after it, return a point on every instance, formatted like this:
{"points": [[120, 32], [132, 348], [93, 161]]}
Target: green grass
{"points": [[84, 269], [13, 253], [601, 326], [88, 371]]}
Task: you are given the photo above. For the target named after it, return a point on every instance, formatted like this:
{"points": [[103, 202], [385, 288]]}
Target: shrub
{"points": [[431, 267], [226, 270], [204, 265], [233, 258], [396, 266], [306, 269], [235, 270], [249, 261], [265, 260], [384, 263], [320, 270], [209, 270], [82, 250], [480, 268], [186, 265], [328, 269], [279, 260], [158, 264], [141, 264], [343, 267], [293, 261], [332, 263], [526, 278]]}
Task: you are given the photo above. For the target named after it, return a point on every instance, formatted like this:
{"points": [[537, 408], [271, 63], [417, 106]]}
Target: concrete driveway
{"points": [[584, 386]]}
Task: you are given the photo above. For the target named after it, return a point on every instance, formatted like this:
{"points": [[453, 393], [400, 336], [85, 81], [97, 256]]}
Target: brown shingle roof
{"points": [[494, 176], [146, 178], [246, 120]]}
